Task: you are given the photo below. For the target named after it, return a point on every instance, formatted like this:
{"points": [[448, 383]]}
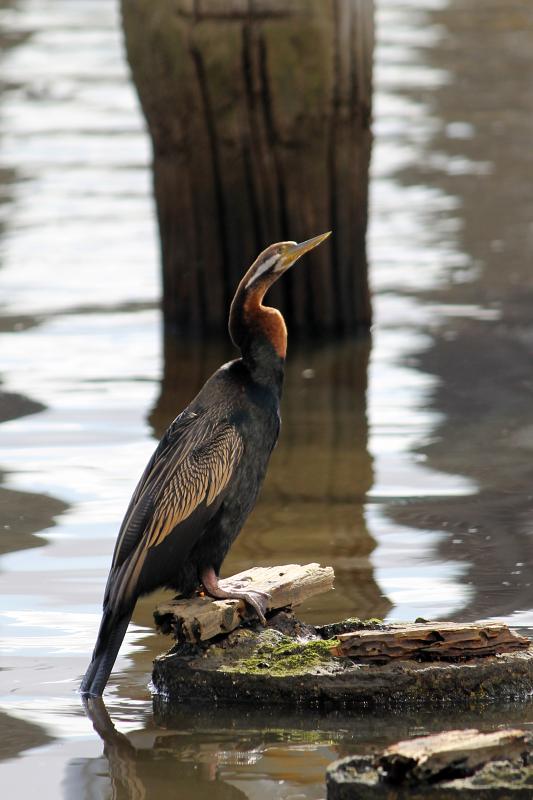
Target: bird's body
{"points": [[232, 409], [204, 476]]}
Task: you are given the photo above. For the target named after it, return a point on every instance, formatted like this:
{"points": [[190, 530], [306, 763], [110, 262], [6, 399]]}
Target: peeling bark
{"points": [[432, 641]]}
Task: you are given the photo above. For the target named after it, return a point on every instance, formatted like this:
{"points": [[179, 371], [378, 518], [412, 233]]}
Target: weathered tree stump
{"points": [[259, 113], [222, 656], [453, 764]]}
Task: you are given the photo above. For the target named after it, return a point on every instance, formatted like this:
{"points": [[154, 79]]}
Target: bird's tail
{"points": [[110, 636]]}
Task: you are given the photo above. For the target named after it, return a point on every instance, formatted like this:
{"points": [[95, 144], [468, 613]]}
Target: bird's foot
{"points": [[229, 589], [254, 597]]}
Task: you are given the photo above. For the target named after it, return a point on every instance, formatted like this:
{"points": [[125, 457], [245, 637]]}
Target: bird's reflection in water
{"points": [[162, 767], [206, 754], [121, 755], [213, 754]]}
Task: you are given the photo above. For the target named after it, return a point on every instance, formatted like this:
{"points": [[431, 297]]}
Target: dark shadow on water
{"points": [[23, 513], [18, 735], [14, 406]]}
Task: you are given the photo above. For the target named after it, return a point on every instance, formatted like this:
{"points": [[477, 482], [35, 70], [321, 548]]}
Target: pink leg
{"points": [[235, 591]]}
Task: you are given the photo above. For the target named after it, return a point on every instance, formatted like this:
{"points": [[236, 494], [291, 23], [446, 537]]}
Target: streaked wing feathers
{"points": [[192, 466], [201, 473]]}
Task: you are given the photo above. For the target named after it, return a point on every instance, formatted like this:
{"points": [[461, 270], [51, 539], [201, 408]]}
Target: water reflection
{"points": [[18, 735], [311, 505], [481, 343], [23, 513], [246, 753], [240, 754], [431, 464]]}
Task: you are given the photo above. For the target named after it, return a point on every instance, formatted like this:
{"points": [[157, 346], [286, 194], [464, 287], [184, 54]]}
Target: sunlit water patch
{"points": [[78, 223]]}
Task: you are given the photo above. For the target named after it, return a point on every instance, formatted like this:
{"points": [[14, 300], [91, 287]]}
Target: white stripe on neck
{"points": [[263, 268]]}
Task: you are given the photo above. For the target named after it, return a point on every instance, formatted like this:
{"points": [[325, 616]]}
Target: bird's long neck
{"points": [[260, 333]]}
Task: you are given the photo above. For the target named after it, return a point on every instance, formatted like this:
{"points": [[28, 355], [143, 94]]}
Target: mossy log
{"points": [[259, 114], [452, 764], [292, 664]]}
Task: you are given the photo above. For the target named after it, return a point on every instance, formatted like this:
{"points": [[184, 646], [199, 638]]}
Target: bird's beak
{"points": [[296, 251]]}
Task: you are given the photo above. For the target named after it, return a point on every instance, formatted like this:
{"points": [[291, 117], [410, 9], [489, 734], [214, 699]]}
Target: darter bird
{"points": [[204, 477]]}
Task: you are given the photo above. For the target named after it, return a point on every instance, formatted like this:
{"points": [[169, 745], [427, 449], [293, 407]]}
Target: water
{"points": [[406, 465]]}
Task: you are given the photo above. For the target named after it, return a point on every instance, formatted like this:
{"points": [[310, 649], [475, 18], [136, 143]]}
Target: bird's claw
{"points": [[259, 601], [230, 585], [256, 598]]}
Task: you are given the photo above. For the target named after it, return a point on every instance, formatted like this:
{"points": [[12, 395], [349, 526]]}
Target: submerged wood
{"points": [[460, 763], [202, 618], [259, 113], [432, 641]]}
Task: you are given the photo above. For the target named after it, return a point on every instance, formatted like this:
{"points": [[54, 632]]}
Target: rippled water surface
{"points": [[406, 464]]}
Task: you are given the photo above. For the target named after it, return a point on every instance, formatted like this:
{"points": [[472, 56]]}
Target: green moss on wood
{"points": [[281, 657]]}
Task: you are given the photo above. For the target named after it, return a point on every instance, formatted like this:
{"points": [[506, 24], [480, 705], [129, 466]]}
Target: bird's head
{"points": [[248, 317], [275, 260]]}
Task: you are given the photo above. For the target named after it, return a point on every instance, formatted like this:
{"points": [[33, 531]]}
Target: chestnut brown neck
{"points": [[266, 321], [254, 327]]}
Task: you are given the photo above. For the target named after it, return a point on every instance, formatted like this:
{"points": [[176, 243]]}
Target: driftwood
{"points": [[426, 757], [453, 764], [436, 641], [201, 618]]}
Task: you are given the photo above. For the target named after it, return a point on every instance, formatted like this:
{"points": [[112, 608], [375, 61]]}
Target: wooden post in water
{"points": [[259, 113]]}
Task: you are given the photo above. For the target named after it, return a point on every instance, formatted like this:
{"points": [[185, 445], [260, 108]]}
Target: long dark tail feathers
{"points": [[110, 637]]}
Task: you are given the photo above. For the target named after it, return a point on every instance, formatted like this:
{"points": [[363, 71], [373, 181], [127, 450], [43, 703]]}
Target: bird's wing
{"points": [[188, 472]]}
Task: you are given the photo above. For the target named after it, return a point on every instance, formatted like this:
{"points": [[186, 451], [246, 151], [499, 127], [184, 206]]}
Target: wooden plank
{"points": [[426, 757], [430, 641], [201, 618]]}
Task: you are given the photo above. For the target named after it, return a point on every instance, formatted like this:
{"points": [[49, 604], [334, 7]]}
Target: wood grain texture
{"points": [[454, 764], [435, 641], [259, 114], [426, 757], [202, 618]]}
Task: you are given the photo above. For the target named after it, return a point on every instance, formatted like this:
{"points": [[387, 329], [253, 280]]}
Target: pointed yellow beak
{"points": [[296, 251]]}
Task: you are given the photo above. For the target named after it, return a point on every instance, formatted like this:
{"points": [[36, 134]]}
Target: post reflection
{"points": [[311, 505]]}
